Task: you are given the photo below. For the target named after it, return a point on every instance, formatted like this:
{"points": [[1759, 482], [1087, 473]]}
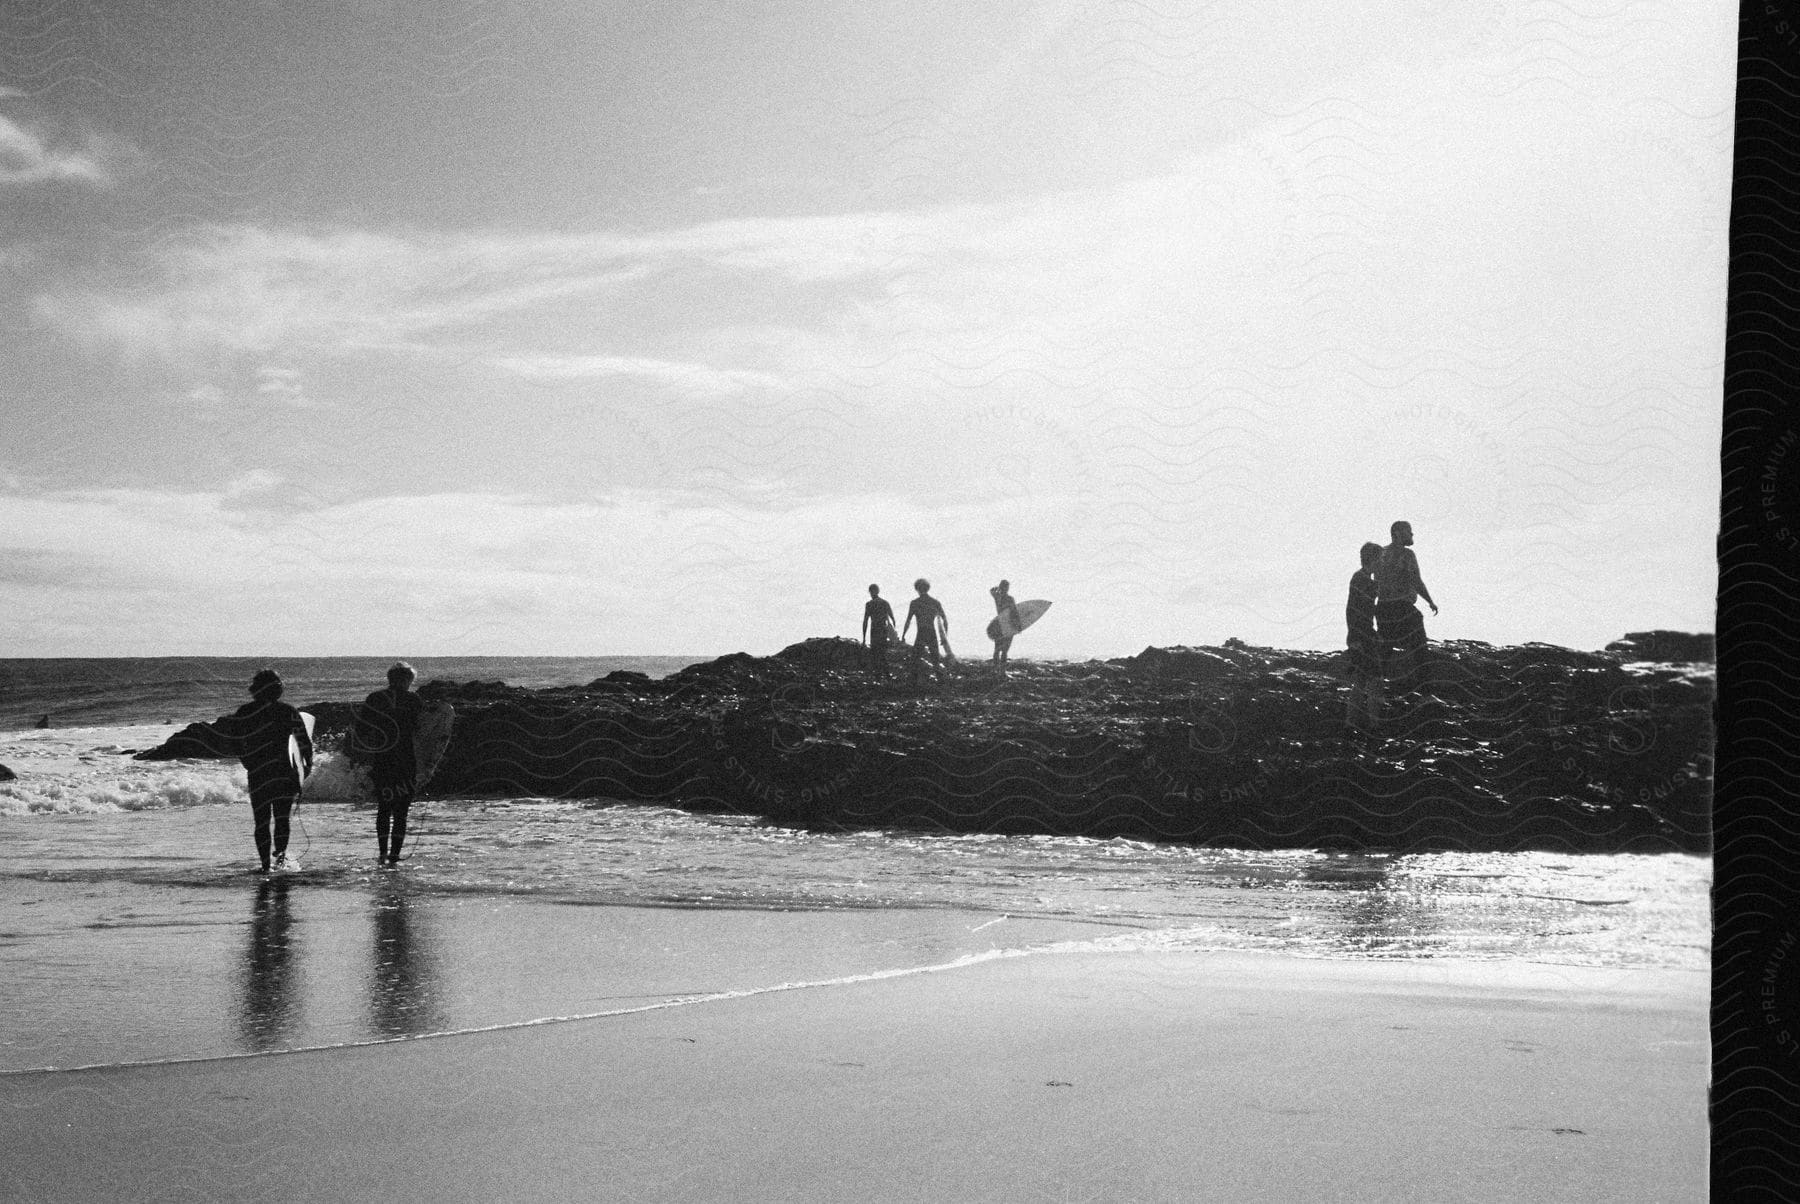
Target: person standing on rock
{"points": [[1005, 610], [934, 626], [385, 727], [1398, 623], [259, 731], [1363, 710], [877, 625]]}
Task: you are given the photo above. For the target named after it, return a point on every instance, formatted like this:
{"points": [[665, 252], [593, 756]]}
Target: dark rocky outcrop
{"points": [[194, 740], [6, 775], [1676, 646], [629, 677], [1534, 746]]}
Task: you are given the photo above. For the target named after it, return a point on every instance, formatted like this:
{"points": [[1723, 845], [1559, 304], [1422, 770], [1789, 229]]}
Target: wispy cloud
{"points": [[251, 289], [282, 385], [247, 289], [687, 378], [257, 480], [30, 156]]}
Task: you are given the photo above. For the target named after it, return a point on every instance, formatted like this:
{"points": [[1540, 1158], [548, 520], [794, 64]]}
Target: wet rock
{"points": [[197, 740], [820, 654], [1533, 746], [1670, 646]]}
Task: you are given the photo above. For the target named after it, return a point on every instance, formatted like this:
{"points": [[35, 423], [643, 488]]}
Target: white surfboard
{"points": [[431, 738], [1029, 613], [295, 760]]}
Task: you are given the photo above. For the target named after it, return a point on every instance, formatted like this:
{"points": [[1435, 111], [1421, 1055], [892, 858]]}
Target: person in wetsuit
{"points": [[1365, 650], [384, 732], [1398, 623], [1004, 607], [259, 731], [928, 612], [878, 623]]}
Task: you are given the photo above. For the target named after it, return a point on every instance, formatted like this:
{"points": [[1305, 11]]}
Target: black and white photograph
{"points": [[1049, 600]]}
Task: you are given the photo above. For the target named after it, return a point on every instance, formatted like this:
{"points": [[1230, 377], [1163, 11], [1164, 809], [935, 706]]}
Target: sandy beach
{"points": [[1052, 1076]]}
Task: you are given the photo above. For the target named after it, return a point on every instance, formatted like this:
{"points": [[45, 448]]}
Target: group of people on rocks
{"points": [[931, 643], [1386, 629], [260, 730], [1386, 632]]}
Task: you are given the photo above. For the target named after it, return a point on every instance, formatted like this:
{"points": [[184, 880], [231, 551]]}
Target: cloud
{"points": [[282, 385], [53, 568], [684, 377], [30, 157], [257, 480], [260, 290], [249, 289]]}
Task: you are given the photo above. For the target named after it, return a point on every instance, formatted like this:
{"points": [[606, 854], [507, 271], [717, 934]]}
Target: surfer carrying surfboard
{"points": [[878, 630], [261, 731], [385, 727], [934, 626], [1006, 622]]}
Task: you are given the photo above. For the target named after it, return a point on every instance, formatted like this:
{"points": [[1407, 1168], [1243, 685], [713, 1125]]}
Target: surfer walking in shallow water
{"points": [[934, 626], [1006, 622], [877, 629], [385, 728], [260, 731]]}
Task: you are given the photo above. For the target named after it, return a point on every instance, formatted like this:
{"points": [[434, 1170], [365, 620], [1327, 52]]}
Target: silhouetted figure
{"points": [[877, 630], [1364, 705], [384, 733], [1005, 609], [1398, 623], [934, 626], [259, 732], [265, 1012]]}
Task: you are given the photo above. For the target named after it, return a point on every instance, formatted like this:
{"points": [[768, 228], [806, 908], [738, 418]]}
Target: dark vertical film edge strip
{"points": [[1756, 939]]}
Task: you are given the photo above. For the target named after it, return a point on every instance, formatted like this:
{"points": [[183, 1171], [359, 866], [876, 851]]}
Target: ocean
{"points": [[93, 691], [132, 925]]}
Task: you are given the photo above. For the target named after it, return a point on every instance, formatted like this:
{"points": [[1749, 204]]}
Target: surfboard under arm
{"points": [[297, 758]]}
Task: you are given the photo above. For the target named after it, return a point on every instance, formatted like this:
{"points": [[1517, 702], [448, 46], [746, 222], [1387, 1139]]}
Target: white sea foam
{"points": [[335, 779], [73, 794], [72, 771], [70, 784]]}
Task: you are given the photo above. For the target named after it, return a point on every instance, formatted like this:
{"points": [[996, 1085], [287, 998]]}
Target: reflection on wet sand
{"points": [[404, 978], [268, 1004]]}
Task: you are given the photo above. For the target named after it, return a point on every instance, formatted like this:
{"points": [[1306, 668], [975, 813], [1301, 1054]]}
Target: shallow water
{"points": [[132, 925]]}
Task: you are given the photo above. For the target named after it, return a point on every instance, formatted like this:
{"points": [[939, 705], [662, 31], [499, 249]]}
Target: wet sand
{"points": [[100, 971], [1054, 1076]]}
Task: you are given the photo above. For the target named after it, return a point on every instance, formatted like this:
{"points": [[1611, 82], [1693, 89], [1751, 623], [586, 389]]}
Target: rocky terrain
{"points": [[1517, 747]]}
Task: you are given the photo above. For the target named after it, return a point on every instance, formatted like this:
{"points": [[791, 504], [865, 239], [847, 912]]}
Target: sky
{"points": [[582, 328]]}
